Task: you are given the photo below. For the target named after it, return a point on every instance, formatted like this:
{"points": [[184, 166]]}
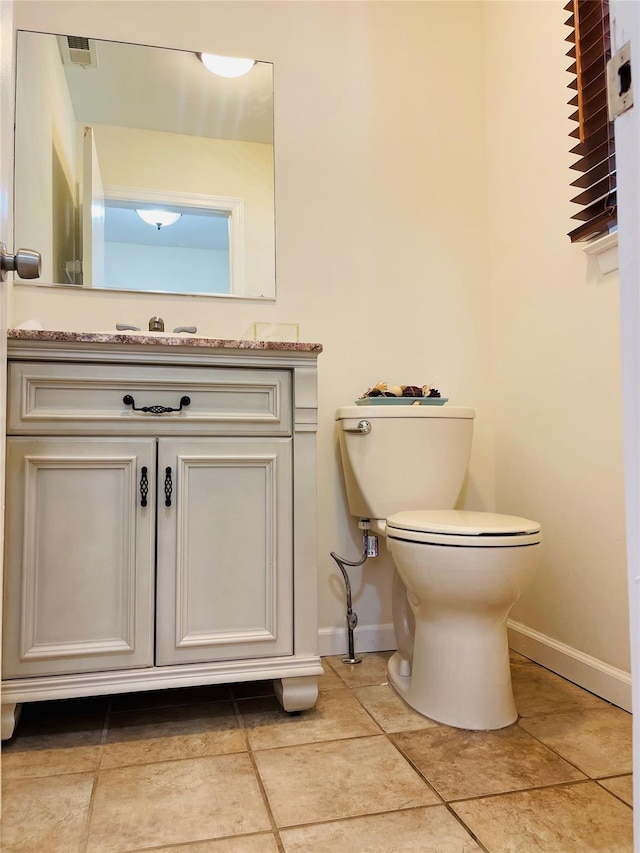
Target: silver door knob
{"points": [[26, 263]]}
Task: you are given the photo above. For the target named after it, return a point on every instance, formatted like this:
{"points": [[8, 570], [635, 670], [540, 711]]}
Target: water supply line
{"points": [[352, 618]]}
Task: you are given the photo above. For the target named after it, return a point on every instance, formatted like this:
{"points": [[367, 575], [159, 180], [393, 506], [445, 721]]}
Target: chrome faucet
{"points": [[156, 324]]}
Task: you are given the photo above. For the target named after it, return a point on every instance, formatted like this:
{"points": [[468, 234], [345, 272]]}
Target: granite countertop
{"points": [[156, 340]]}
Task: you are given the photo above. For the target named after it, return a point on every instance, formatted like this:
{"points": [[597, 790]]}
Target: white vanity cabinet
{"points": [[224, 579], [160, 518], [79, 556]]}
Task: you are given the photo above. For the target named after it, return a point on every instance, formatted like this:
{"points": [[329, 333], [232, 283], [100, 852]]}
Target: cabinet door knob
{"points": [[168, 487], [144, 486]]}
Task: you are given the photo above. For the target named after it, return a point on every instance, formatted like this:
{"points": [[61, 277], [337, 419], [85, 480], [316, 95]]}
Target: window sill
{"points": [[606, 251]]}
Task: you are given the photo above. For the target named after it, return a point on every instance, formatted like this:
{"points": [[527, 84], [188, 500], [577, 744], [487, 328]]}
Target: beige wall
{"points": [[415, 256], [556, 341]]}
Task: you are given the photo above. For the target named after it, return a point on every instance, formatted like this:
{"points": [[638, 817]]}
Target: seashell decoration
{"points": [[384, 390]]}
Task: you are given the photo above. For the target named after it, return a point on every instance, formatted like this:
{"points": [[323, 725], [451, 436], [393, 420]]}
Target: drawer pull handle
{"points": [[144, 486], [155, 410], [168, 487]]}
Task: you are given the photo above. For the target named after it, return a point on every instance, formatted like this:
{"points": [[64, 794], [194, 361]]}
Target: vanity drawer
{"points": [[45, 398]]}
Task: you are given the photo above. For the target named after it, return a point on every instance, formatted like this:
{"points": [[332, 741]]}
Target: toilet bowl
{"points": [[457, 572], [462, 571]]}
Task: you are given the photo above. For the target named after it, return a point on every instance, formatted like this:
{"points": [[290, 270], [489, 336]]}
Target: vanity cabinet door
{"points": [[79, 555], [224, 559]]}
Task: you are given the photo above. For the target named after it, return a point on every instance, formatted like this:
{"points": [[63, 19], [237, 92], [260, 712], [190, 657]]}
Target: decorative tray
{"points": [[401, 401]]}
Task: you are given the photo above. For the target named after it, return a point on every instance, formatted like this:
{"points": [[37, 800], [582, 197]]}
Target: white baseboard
{"points": [[366, 638], [588, 672]]}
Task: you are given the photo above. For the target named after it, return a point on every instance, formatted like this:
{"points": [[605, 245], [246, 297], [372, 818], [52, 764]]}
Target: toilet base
{"points": [[458, 696], [460, 597]]}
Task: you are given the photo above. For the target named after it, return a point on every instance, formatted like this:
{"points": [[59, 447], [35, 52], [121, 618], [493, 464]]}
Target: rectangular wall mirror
{"points": [[137, 168]]}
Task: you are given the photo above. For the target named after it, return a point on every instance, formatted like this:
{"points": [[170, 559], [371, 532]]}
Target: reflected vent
{"points": [[76, 50]]}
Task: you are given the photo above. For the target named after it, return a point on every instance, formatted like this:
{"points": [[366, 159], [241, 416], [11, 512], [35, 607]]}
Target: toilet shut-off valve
{"points": [[370, 549], [370, 539]]}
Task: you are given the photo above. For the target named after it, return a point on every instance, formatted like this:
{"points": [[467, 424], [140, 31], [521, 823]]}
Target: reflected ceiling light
{"points": [[158, 217], [226, 66]]}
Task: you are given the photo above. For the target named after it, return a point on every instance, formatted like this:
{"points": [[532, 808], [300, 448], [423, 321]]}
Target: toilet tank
{"points": [[412, 457]]}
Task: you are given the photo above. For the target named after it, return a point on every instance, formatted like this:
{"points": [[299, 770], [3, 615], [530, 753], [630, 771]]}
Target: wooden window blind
{"points": [[590, 51]]}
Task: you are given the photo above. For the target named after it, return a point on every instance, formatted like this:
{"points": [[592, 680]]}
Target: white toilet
{"points": [[458, 573]]}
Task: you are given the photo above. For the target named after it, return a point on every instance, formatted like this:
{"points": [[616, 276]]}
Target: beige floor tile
{"points": [[382, 833], [45, 814], [46, 746], [372, 670], [50, 762], [328, 781], [329, 680], [185, 731], [621, 786], [538, 691], [390, 711], [169, 802], [598, 742], [461, 763], [262, 843], [336, 714], [579, 818]]}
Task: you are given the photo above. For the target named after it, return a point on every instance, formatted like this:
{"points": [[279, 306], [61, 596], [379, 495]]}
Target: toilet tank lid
{"points": [[373, 412], [461, 522]]}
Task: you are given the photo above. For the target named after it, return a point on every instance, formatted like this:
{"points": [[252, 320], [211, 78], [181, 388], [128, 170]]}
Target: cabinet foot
{"points": [[9, 720], [297, 693]]}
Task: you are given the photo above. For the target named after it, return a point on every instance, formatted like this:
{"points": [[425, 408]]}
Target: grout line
{"points": [[550, 785], [444, 802], [354, 817], [466, 828], [613, 793], [189, 845], [410, 762], [321, 742], [560, 755], [84, 842], [414, 766], [608, 776], [252, 759]]}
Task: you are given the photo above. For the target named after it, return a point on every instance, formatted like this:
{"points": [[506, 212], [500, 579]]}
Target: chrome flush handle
{"points": [[363, 428]]}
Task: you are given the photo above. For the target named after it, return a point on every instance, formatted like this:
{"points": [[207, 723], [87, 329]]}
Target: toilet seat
{"points": [[462, 527]]}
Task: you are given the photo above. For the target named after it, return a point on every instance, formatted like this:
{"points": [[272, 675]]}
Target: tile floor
{"points": [[225, 770]]}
